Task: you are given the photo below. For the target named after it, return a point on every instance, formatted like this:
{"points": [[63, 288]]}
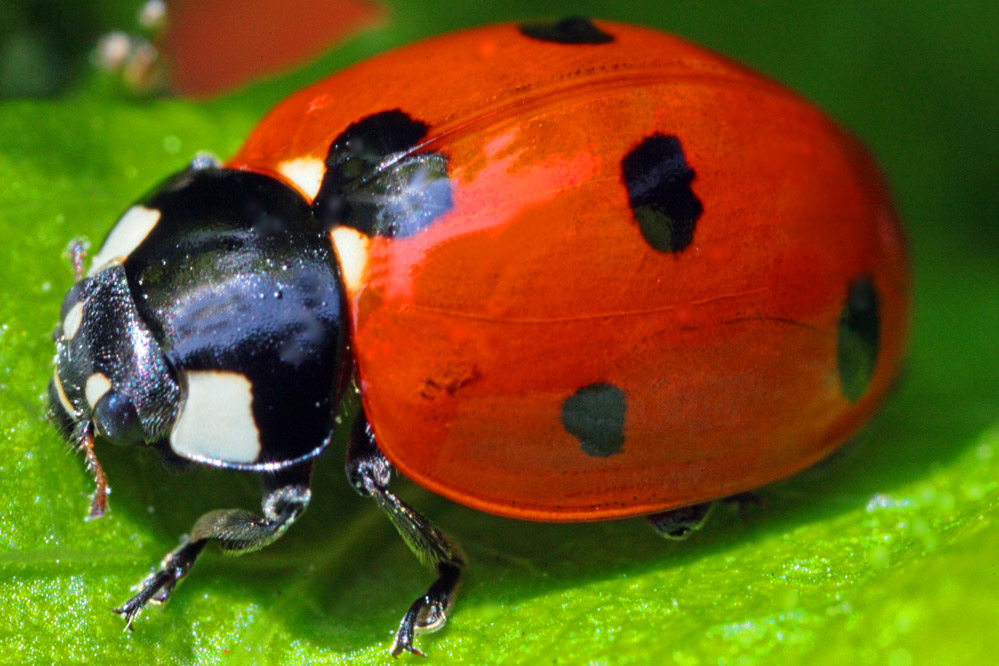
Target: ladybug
{"points": [[572, 270]]}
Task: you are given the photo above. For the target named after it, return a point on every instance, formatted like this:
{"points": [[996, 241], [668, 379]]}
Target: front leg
{"points": [[286, 494], [369, 473], [678, 524]]}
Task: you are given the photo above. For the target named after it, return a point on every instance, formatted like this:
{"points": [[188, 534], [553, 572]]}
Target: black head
{"points": [[210, 325], [110, 370]]}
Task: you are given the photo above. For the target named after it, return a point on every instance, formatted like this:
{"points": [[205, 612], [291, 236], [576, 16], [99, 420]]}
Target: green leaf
{"points": [[886, 554]]}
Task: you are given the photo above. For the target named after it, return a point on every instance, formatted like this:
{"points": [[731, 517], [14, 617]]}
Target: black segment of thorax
{"points": [[238, 276]]}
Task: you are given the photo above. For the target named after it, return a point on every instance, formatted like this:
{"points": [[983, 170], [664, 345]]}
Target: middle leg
{"points": [[369, 472]]}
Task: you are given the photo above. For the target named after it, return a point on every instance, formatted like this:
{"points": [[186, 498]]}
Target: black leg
{"points": [[286, 494], [369, 472], [680, 523]]}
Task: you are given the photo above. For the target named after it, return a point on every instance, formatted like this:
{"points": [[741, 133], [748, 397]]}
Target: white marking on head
{"points": [[352, 251], [131, 229], [216, 419], [71, 324], [306, 172], [63, 398], [97, 385]]}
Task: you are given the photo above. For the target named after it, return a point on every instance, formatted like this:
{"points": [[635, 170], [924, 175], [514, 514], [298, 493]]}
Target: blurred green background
{"points": [[886, 554]]}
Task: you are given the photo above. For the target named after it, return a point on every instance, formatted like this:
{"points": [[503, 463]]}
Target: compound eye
{"points": [[61, 411], [115, 418], [70, 313], [72, 298]]}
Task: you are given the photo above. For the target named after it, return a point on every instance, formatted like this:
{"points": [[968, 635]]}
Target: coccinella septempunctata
{"points": [[573, 270]]}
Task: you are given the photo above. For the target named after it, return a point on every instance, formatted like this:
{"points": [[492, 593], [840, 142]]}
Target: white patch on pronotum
{"points": [[63, 398], [97, 385], [306, 172], [352, 251], [71, 324], [131, 229], [216, 419]]}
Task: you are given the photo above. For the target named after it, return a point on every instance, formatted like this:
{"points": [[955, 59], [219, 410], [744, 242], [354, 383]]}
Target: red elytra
{"points": [[660, 278]]}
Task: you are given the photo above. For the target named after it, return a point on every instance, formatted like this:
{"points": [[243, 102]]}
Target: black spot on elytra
{"points": [[658, 181], [378, 183], [859, 337], [595, 416], [572, 30]]}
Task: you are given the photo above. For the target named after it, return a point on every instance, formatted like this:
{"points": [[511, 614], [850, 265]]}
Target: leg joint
{"points": [[287, 503]]}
